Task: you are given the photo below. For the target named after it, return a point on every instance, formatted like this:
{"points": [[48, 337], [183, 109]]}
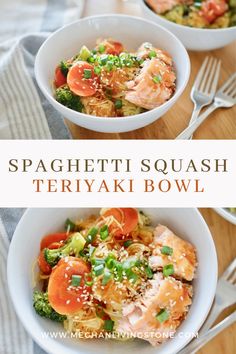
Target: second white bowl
{"points": [[131, 31]]}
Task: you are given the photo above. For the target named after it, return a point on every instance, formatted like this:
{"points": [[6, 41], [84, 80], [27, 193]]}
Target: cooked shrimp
{"points": [[153, 86], [183, 254], [164, 295]]}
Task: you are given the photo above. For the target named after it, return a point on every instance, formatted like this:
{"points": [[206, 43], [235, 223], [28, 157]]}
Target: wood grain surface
{"points": [[220, 125]]}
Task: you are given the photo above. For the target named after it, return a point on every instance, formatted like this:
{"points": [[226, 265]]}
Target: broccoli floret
{"points": [[64, 66], [68, 99], [44, 309], [72, 247]]}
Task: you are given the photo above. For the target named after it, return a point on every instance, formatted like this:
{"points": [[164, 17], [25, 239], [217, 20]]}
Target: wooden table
{"points": [[221, 124], [224, 234]]}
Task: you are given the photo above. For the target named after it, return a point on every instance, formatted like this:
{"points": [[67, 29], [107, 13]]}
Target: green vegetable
{"points": [[73, 246], [167, 250], [97, 261], [128, 243], [162, 316], [98, 269], [70, 225], [157, 79], [118, 104], [168, 270], [68, 99], [91, 250], [132, 277], [43, 307], [92, 234], [101, 48], [97, 70], [104, 232], [152, 54], [106, 277], [84, 53], [75, 280], [64, 66], [103, 59], [87, 73], [108, 325], [149, 272]]}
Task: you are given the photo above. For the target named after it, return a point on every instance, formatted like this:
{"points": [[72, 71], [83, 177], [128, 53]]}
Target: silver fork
{"points": [[198, 343], [204, 87], [225, 297], [224, 97]]}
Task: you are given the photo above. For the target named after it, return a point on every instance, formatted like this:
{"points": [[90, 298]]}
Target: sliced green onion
{"points": [[167, 250], [168, 270], [129, 263], [104, 59], [104, 232], [128, 243], [106, 277], [70, 225], [97, 70], [101, 48], [87, 73], [98, 261], [118, 104], [162, 316], [152, 54], [91, 250], [108, 325], [89, 282], [91, 59], [133, 277], [75, 280], [157, 79], [149, 272], [98, 269], [92, 234]]}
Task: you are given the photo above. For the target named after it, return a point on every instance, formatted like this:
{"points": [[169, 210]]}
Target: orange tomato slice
{"points": [[51, 238], [77, 81], [126, 217], [64, 298], [114, 48], [59, 78]]}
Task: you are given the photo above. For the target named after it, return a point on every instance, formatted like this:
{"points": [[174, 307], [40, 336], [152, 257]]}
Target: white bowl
{"points": [[226, 214], [198, 39], [129, 30], [24, 248]]}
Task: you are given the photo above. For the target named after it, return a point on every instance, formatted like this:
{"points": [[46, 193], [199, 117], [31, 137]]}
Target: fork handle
{"points": [[195, 114], [214, 313], [205, 338], [187, 133]]}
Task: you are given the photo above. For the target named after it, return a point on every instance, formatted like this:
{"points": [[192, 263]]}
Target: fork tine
{"points": [[200, 74], [211, 76], [231, 88], [216, 78], [232, 279], [228, 82], [229, 270], [206, 74]]}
